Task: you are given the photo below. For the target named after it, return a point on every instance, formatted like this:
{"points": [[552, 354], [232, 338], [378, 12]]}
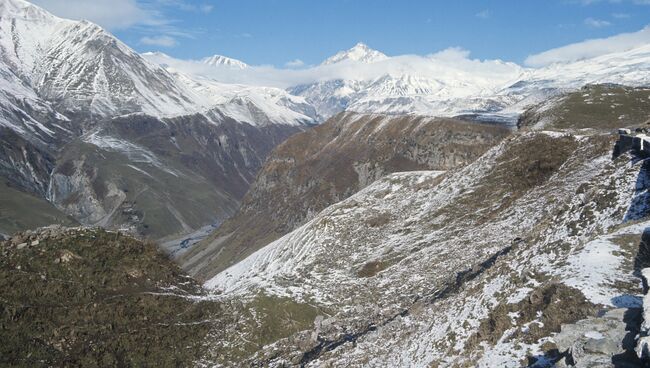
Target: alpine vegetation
{"points": [[354, 208]]}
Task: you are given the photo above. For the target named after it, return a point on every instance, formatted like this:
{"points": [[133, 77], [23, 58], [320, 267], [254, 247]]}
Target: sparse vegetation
{"points": [[538, 315], [598, 107], [94, 299], [20, 211]]}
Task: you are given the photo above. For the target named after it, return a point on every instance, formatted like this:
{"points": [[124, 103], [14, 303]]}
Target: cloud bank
{"points": [[591, 48], [452, 63], [162, 41]]}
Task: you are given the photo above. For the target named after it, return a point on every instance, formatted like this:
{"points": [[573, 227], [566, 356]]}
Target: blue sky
{"points": [[275, 32]]}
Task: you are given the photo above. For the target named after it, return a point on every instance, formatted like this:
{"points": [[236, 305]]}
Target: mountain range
{"points": [[71, 94], [367, 211], [444, 84], [111, 139]]}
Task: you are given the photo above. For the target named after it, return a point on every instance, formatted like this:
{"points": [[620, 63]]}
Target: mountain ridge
{"points": [[68, 91]]}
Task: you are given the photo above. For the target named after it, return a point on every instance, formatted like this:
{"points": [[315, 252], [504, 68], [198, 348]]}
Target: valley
{"points": [[367, 210]]}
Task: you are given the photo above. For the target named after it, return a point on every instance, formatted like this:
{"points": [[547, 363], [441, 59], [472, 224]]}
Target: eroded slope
{"points": [[409, 268], [329, 163]]}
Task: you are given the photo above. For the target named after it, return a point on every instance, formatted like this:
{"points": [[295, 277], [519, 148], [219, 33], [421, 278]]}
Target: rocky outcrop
{"points": [[643, 343], [600, 341], [87, 297], [329, 163], [637, 142]]}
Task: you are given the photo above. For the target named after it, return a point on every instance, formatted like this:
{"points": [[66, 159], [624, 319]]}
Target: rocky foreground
{"points": [[80, 297]]}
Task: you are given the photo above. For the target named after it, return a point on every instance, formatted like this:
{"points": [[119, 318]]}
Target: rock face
{"points": [[328, 164], [479, 265], [600, 341]]}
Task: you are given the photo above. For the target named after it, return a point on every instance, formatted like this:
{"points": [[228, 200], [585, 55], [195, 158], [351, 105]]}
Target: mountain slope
{"points": [[328, 163], [117, 141], [80, 68], [474, 266], [87, 297], [593, 106], [161, 177], [22, 211], [255, 105]]}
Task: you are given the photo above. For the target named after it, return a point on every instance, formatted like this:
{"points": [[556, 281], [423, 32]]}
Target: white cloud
{"points": [[596, 23], [149, 18], [184, 5], [451, 63], [451, 54], [162, 41], [484, 14], [297, 63], [110, 14], [591, 48]]}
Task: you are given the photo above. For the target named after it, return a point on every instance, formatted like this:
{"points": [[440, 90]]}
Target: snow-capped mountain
{"points": [[359, 53], [88, 124], [255, 105], [219, 60], [429, 86], [442, 86], [81, 68]]}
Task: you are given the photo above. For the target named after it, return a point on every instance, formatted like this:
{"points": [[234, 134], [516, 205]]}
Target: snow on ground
{"points": [[135, 153], [428, 235], [597, 267]]}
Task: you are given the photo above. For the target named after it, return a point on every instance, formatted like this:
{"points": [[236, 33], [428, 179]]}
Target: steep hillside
{"points": [[115, 140], [81, 297], [329, 163], [475, 266], [161, 177], [20, 211]]}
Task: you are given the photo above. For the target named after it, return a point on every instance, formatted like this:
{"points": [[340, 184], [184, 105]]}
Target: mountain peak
{"points": [[219, 60], [359, 53]]}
